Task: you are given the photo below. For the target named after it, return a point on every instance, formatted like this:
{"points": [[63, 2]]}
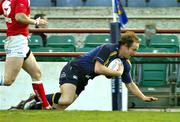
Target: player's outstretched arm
{"points": [[137, 92], [22, 18]]}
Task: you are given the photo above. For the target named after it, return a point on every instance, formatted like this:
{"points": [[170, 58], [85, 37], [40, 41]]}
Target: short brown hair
{"points": [[128, 38]]}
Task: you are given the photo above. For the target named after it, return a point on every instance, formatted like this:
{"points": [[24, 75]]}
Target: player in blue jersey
{"points": [[76, 73]]}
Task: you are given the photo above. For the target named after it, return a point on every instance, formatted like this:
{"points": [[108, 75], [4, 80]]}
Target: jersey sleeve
{"points": [[21, 6], [126, 76], [103, 54]]}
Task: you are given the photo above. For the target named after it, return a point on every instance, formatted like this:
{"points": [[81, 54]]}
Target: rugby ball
{"points": [[116, 65]]}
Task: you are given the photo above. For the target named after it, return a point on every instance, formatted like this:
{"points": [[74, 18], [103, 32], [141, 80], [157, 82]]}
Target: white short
{"points": [[16, 46]]}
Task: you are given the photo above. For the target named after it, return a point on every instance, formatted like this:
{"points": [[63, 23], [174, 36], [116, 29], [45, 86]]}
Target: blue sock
{"points": [[53, 98], [49, 98]]}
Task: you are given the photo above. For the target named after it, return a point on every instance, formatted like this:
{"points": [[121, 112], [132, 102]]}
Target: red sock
{"points": [[39, 90]]}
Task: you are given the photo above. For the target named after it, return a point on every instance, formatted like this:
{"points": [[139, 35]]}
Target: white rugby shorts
{"points": [[16, 46]]}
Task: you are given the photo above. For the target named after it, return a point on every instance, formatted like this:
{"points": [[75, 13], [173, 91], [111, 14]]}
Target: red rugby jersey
{"points": [[9, 8]]}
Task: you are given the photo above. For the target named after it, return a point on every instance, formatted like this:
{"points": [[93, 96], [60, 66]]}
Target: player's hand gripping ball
{"points": [[116, 65]]}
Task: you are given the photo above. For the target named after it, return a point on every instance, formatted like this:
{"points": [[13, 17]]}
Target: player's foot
{"points": [[30, 104], [22, 104], [12, 108], [47, 108], [19, 106]]}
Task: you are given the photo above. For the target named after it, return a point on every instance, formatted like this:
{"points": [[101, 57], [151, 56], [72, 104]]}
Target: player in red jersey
{"points": [[18, 54]]}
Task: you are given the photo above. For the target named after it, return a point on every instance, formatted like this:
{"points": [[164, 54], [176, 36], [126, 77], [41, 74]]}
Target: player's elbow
{"points": [[97, 68], [20, 17]]}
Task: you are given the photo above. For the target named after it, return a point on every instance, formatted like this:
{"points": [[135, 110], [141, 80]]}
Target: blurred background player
{"points": [[76, 73], [150, 30], [18, 54], [43, 35]]}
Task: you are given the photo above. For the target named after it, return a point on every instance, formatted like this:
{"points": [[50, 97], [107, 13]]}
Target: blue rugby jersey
{"points": [[104, 54]]}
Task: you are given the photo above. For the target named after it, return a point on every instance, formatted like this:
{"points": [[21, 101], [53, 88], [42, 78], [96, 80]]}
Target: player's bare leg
{"points": [[68, 95], [32, 68], [12, 67]]}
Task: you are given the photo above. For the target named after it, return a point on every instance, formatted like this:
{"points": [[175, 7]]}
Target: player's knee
{"points": [[66, 101], [8, 82]]}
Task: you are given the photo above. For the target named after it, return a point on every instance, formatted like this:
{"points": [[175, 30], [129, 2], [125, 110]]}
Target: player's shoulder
{"points": [[111, 47]]}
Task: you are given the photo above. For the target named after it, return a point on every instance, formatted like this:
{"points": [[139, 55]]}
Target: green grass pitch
{"points": [[87, 116]]}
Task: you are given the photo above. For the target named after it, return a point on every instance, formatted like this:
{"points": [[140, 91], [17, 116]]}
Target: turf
{"points": [[87, 116]]}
